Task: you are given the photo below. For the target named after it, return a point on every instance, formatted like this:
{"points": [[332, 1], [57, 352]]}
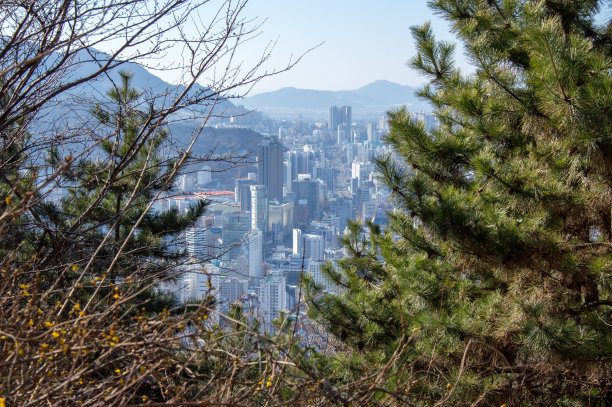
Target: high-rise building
{"points": [[297, 241], [204, 176], [228, 289], [259, 208], [232, 289], [270, 167], [371, 132], [346, 115], [242, 192], [305, 162], [192, 283], [314, 246], [293, 269], [254, 244], [328, 175], [306, 190], [315, 268], [343, 208], [236, 224], [339, 120], [333, 118], [291, 169], [272, 297], [196, 239]]}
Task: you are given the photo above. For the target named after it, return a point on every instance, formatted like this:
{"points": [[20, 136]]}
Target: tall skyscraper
{"points": [[259, 208], [346, 115], [242, 192], [333, 118], [339, 121], [292, 168], [197, 242], [236, 224], [255, 261], [270, 167], [306, 190], [314, 246], [272, 297], [297, 241]]}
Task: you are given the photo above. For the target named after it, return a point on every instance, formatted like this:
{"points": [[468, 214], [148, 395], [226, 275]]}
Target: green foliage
{"points": [[494, 272], [109, 196]]}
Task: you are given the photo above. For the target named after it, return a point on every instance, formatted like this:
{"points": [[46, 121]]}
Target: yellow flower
{"points": [[31, 322], [503, 405], [415, 329], [2, 402], [448, 386], [55, 334], [116, 296], [75, 267], [144, 399], [48, 324], [118, 371], [122, 382]]}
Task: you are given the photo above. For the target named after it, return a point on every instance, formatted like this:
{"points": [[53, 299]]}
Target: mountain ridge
{"points": [[377, 95]]}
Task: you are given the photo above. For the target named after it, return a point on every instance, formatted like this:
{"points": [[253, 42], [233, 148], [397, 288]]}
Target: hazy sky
{"points": [[363, 41]]}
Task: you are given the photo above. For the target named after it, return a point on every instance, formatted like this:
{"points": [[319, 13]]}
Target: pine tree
{"points": [[110, 190], [492, 282]]}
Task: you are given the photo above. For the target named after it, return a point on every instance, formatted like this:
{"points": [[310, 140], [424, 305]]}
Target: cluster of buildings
{"points": [[282, 220]]}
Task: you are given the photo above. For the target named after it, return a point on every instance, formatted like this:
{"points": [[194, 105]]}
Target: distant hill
{"points": [[142, 80], [73, 108], [218, 141], [377, 96], [389, 93]]}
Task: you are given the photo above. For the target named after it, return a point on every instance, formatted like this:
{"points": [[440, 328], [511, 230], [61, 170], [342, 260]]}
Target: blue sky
{"points": [[363, 41]]}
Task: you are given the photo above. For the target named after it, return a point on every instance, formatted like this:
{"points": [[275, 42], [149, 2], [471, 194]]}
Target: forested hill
{"points": [[218, 141]]}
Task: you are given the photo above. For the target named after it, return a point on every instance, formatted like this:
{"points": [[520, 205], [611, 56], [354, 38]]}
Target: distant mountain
{"points": [[152, 86], [377, 96], [73, 107], [389, 93]]}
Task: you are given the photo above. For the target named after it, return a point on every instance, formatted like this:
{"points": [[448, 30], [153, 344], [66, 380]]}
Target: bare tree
{"points": [[82, 321]]}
